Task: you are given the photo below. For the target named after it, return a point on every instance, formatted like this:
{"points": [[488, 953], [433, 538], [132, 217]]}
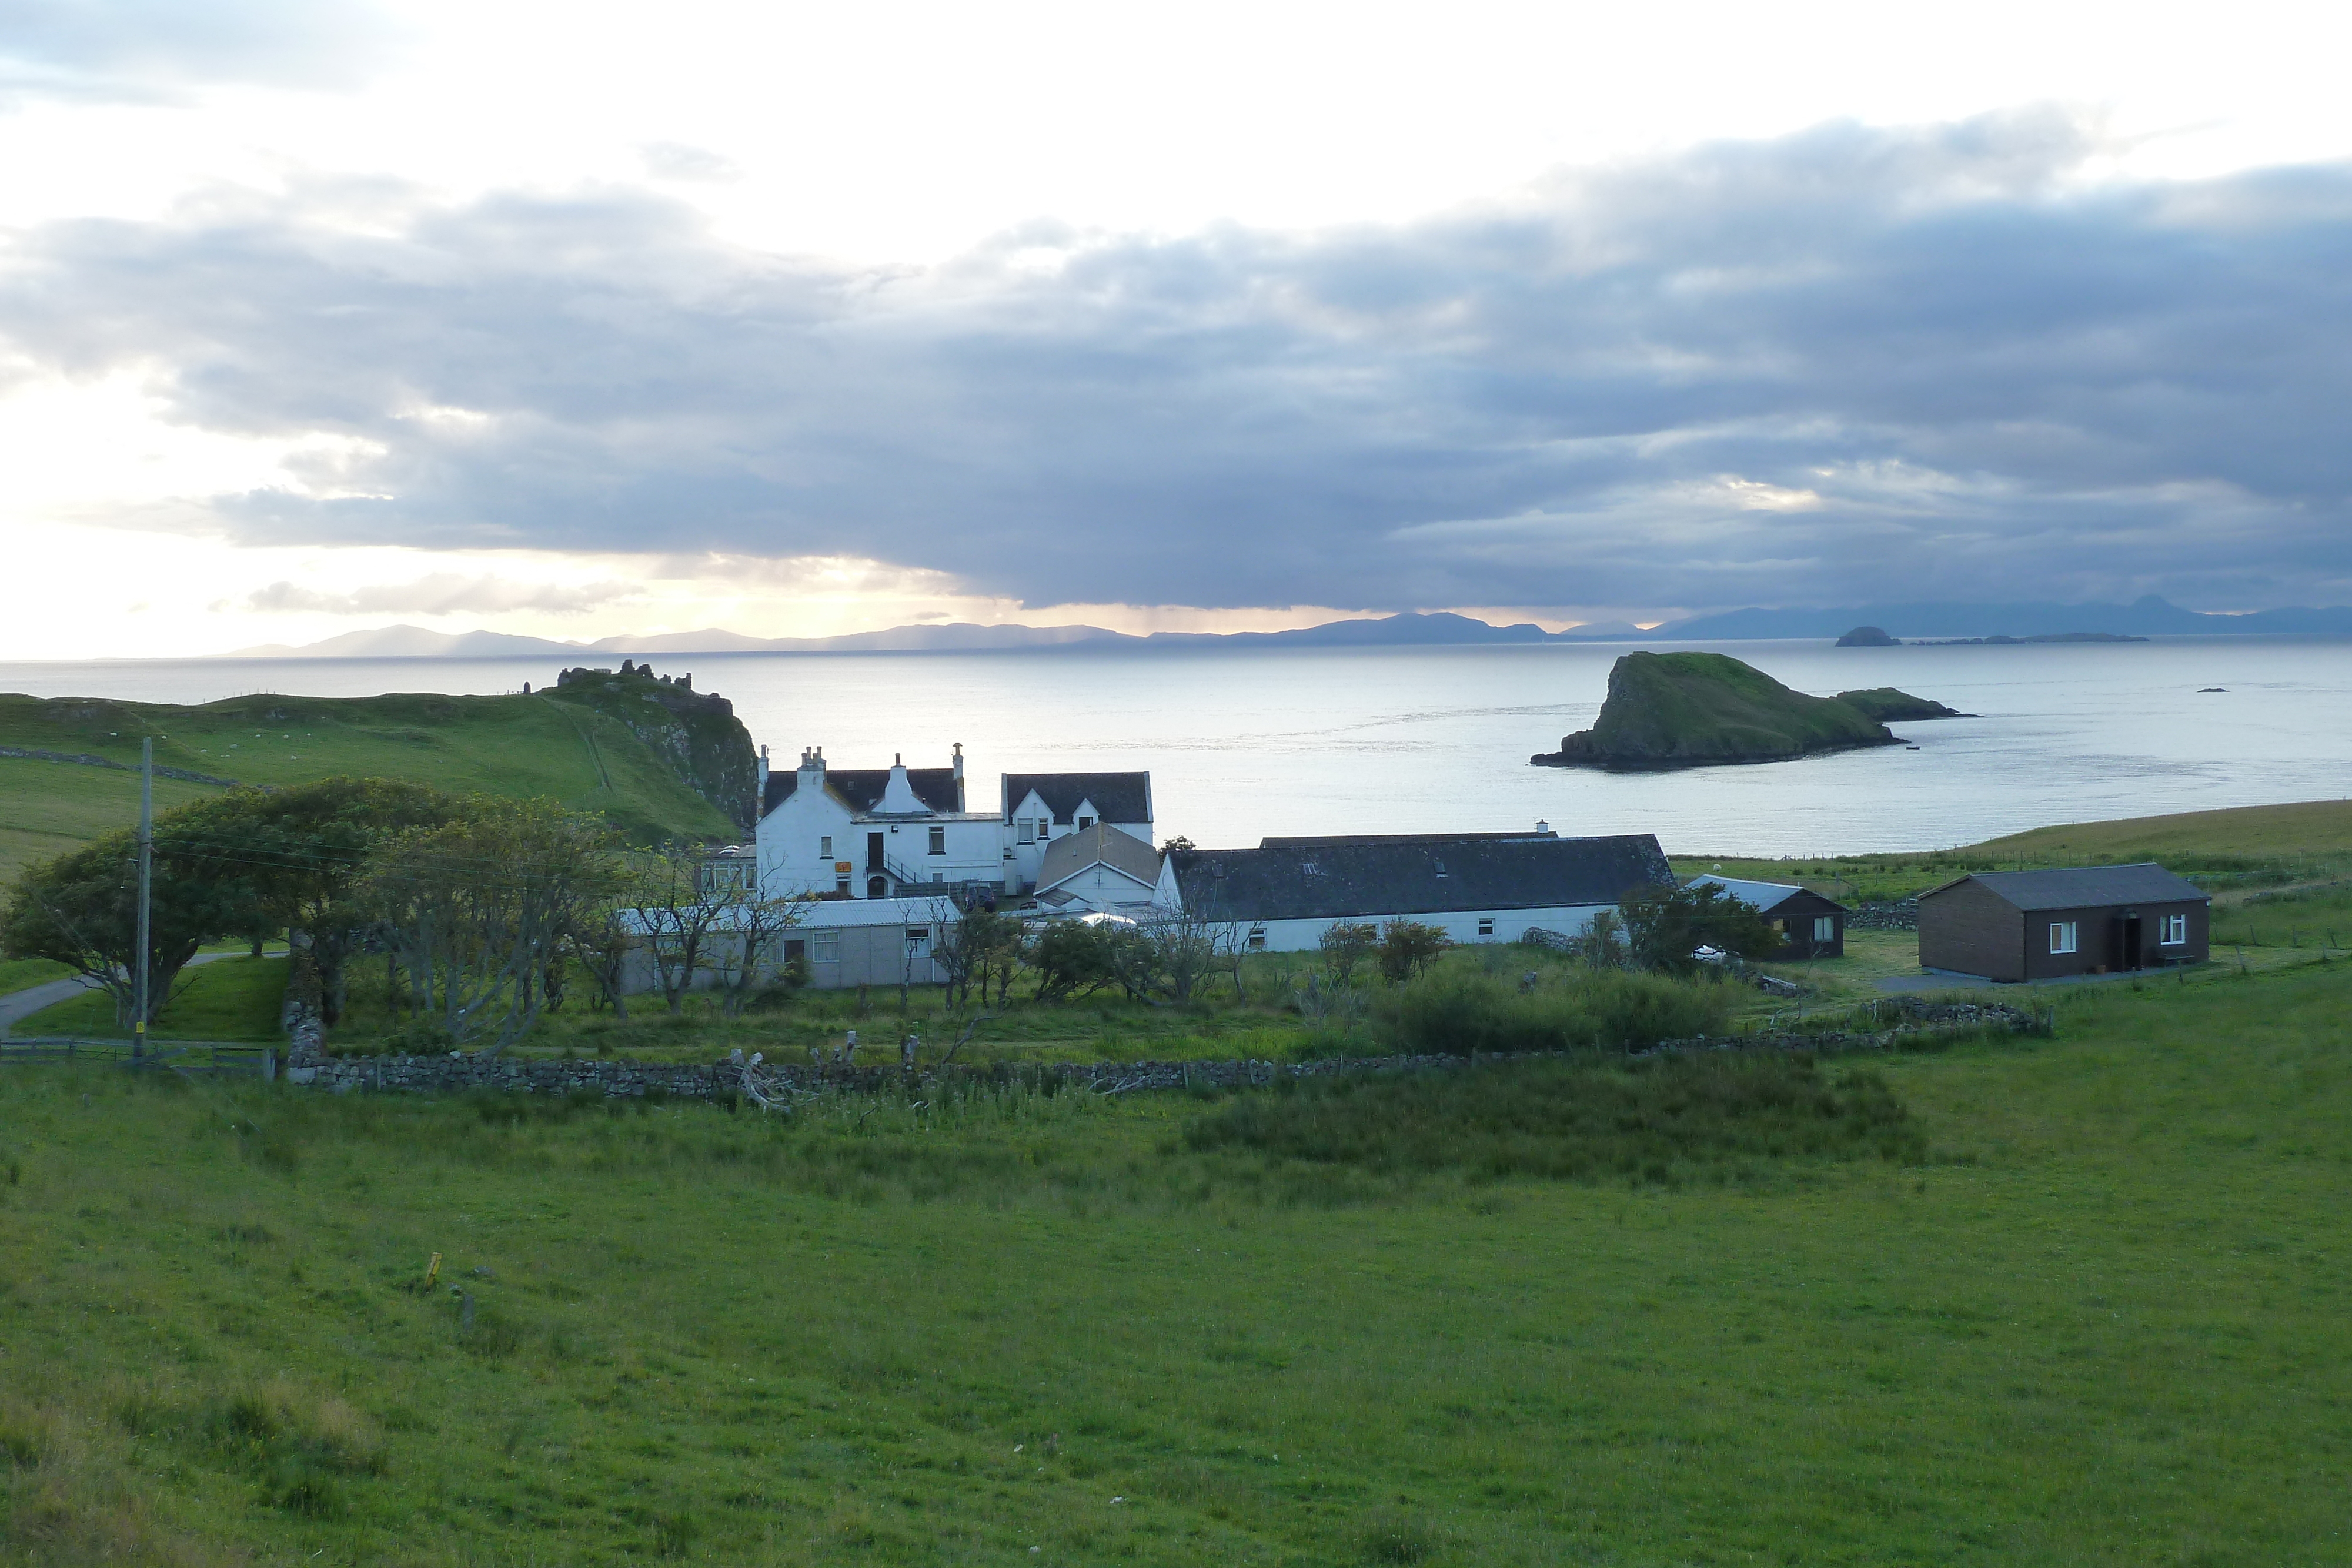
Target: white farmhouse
{"points": [[1476, 888], [1042, 807], [873, 832], [900, 831]]}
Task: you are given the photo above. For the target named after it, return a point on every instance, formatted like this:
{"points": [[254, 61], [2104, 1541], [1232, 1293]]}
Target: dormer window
{"points": [[1084, 822], [1441, 867], [1024, 832]]}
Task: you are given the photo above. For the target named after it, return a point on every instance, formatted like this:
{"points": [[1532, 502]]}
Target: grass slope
{"points": [[2250, 846], [1677, 710], [2105, 1322], [48, 808], [516, 745]]}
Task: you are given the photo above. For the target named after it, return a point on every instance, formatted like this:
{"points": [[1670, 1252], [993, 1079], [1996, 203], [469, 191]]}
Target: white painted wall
{"points": [[1461, 927], [1099, 886], [1027, 860]]}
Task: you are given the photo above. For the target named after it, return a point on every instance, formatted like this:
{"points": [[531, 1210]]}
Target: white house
{"points": [[887, 832], [1476, 888], [1042, 807], [1098, 870], [873, 832]]}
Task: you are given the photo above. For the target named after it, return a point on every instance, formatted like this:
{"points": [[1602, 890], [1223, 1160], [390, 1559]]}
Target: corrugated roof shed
{"points": [[2085, 887], [1762, 896], [1352, 880]]}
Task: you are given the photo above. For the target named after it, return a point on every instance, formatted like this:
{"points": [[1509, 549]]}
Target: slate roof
{"points": [[1120, 797], [2084, 887], [1354, 879], [860, 788], [1762, 896], [1100, 844], [1317, 841]]}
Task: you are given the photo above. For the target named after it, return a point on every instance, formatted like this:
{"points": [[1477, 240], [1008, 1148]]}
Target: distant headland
{"points": [[1951, 621]]}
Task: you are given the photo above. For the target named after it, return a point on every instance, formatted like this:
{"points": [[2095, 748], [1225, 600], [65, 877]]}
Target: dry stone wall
{"points": [[1904, 1024]]}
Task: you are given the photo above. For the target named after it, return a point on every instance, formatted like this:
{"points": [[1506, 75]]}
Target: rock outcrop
{"points": [[697, 733], [1867, 637], [1689, 710], [1888, 705]]}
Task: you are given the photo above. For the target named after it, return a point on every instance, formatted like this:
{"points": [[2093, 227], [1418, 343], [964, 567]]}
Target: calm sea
{"points": [[1245, 742]]}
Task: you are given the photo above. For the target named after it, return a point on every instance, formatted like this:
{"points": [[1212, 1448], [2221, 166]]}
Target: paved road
{"points": [[18, 1006]]}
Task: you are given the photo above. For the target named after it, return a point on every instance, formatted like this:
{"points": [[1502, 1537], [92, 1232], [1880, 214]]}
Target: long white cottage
{"points": [[1476, 888]]}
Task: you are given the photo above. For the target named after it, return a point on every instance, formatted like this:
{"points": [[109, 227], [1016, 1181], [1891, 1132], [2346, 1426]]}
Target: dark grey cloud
{"points": [[1848, 365], [138, 49]]}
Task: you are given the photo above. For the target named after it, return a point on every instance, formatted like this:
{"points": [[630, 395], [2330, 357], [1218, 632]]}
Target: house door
{"points": [[873, 852], [877, 887], [796, 953], [2127, 935]]}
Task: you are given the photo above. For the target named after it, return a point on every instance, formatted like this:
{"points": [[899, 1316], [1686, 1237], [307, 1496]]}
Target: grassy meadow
{"points": [[2243, 846], [2077, 1300], [513, 746]]}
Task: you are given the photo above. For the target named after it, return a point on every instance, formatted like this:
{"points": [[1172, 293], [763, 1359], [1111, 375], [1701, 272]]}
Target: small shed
{"points": [[2078, 920], [1813, 927]]}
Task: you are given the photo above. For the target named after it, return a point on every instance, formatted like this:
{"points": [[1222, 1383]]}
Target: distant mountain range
{"points": [[2148, 617]]}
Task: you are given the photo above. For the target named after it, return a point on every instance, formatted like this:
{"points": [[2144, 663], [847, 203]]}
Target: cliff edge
{"points": [[697, 733]]}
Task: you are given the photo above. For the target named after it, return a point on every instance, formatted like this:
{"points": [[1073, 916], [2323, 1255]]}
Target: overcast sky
{"points": [[574, 321]]}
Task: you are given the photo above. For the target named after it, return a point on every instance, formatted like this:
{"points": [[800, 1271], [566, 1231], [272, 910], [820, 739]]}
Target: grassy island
{"points": [[1688, 710]]}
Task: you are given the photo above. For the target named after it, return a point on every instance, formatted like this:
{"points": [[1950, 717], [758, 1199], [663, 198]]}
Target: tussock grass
{"points": [[1666, 1119], [1458, 1009]]}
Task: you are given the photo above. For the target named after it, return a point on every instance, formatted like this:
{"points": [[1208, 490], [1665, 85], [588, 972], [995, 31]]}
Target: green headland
{"points": [[1689, 710], [659, 762]]}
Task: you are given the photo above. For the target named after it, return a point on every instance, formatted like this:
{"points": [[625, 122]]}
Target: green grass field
{"points": [[513, 746], [2249, 846], [2101, 1319]]}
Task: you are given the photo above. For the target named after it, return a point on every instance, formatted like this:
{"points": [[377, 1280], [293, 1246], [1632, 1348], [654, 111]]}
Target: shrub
{"points": [[1456, 1011], [1661, 1120]]}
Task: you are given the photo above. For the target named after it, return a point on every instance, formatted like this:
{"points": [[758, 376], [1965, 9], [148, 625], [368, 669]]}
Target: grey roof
{"points": [[1120, 797], [1100, 844], [1761, 897], [1317, 841], [2084, 887], [1354, 879], [860, 788]]}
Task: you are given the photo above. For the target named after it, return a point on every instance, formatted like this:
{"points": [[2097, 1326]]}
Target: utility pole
{"points": [[146, 890]]}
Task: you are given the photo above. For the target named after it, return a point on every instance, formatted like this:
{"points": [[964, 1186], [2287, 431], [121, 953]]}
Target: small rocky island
{"points": [[1692, 710]]}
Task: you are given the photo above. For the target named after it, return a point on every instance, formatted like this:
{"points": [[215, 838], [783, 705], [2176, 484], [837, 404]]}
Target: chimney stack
{"points": [[959, 777]]}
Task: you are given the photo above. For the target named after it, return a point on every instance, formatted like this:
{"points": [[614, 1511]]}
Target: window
{"points": [[825, 946], [1024, 832], [824, 848], [939, 841], [2061, 936], [840, 884], [918, 941], [939, 876], [1084, 822], [1257, 940], [1824, 927], [2176, 931], [1485, 925]]}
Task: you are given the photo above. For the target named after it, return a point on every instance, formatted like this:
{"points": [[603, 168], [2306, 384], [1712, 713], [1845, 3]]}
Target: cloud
{"points": [[1839, 366], [440, 594], [139, 49]]}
